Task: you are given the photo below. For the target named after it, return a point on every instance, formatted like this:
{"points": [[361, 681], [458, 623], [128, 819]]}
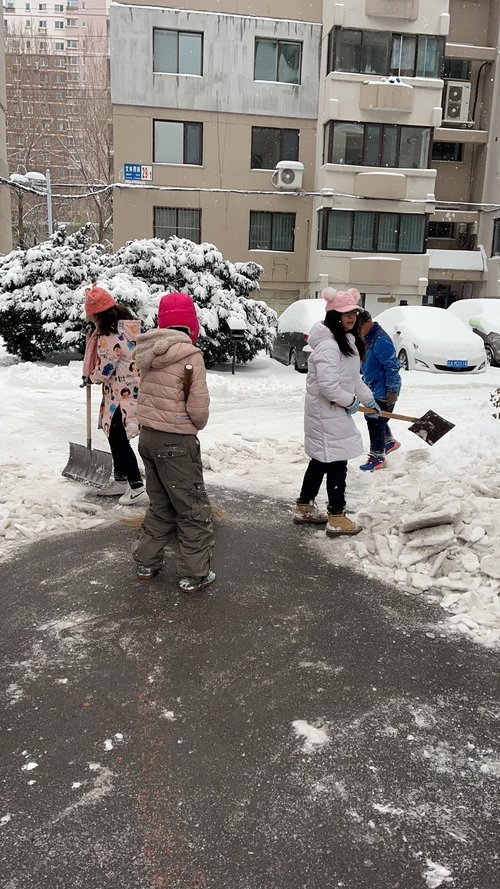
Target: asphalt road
{"points": [[148, 738]]}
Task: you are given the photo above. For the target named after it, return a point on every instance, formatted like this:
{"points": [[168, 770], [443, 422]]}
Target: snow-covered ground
{"points": [[254, 442]]}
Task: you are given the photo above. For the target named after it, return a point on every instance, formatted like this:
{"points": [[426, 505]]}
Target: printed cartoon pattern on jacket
{"points": [[118, 373]]}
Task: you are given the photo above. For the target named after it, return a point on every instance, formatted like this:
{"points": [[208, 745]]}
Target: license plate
{"points": [[457, 364]]}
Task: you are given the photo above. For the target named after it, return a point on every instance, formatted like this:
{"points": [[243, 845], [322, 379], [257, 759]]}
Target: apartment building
{"points": [[386, 104], [5, 229], [57, 99]]}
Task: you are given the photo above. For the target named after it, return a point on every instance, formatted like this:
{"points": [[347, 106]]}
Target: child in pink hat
{"points": [[334, 391]]}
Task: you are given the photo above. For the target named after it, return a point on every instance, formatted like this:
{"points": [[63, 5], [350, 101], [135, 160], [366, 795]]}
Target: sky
{"points": [[254, 442]]}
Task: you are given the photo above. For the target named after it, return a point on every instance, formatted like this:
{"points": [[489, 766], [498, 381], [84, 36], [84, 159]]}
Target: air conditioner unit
{"points": [[457, 102], [288, 175]]}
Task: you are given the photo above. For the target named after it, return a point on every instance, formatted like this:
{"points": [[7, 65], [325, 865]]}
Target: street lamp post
{"points": [[41, 184]]}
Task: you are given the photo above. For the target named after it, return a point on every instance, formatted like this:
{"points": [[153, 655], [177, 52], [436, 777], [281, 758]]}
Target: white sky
{"points": [[254, 442]]}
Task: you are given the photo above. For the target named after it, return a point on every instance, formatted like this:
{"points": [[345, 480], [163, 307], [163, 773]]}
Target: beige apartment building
{"points": [[378, 110], [5, 228]]}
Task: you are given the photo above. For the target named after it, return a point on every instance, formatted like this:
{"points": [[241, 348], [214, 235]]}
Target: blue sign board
{"points": [[132, 172], [138, 172]]}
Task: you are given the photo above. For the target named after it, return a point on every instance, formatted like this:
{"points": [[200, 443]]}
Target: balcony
{"points": [[379, 183], [415, 101], [394, 9], [384, 95]]}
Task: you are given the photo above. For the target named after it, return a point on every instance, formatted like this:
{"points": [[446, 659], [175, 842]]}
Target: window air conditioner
{"points": [[288, 175], [457, 102]]}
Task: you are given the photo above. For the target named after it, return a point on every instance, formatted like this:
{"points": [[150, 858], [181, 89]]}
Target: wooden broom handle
{"points": [[388, 415]]}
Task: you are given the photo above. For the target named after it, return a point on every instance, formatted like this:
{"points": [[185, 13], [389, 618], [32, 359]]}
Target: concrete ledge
{"points": [[394, 9], [380, 185], [380, 96], [375, 270]]}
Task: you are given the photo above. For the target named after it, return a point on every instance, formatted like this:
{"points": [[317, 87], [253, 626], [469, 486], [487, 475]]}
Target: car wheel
{"points": [[403, 360], [292, 359], [490, 355]]}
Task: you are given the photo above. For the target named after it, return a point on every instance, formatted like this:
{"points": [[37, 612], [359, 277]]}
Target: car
{"points": [[294, 324], [432, 339], [483, 315]]}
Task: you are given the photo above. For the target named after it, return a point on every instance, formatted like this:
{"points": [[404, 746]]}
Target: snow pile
{"points": [[26, 514], [314, 738], [436, 874]]}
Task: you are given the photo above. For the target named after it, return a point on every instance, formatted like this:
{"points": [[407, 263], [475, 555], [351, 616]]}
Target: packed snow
{"points": [[430, 518]]}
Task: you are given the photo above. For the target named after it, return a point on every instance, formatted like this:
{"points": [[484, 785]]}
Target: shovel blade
{"points": [[88, 465], [431, 427]]}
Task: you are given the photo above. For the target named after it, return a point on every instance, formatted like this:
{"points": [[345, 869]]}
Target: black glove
{"points": [[391, 397]]}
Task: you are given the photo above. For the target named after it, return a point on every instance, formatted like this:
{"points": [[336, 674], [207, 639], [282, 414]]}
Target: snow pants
{"points": [[379, 430], [178, 504]]}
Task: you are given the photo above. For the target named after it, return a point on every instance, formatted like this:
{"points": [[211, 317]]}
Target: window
{"points": [[27, 7], [58, 25], [270, 145], [272, 231], [277, 60], [184, 223], [177, 52], [441, 230], [59, 47], [72, 44], [381, 52], [71, 23], [177, 142], [27, 24], [42, 24], [371, 232], [72, 60], [58, 7], [456, 69], [447, 151], [495, 249], [376, 145], [42, 7]]}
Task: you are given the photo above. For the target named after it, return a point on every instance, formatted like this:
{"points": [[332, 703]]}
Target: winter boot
{"points": [[374, 462], [134, 497], [113, 488], [193, 584], [340, 525], [391, 446], [308, 514], [145, 573]]}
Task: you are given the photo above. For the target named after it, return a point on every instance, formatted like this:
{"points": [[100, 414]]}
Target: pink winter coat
{"points": [[161, 357], [117, 371]]}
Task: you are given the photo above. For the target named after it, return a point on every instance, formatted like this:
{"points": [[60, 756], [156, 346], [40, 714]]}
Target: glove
{"points": [[372, 404], [352, 407], [391, 396]]}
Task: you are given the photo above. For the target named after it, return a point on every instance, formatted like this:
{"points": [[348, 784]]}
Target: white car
{"points": [[432, 339], [483, 316]]}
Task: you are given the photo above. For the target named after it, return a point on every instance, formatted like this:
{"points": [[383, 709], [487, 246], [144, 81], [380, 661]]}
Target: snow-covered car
{"points": [[294, 324], [483, 315], [432, 339]]}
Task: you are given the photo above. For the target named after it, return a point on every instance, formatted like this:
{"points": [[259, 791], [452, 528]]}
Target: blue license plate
{"points": [[457, 363]]}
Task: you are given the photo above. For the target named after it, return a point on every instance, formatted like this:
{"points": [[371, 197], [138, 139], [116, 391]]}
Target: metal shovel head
{"points": [[431, 427], [88, 465]]}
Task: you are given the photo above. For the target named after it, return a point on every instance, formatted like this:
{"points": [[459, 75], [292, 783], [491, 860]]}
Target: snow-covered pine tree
{"points": [[42, 292], [37, 287]]}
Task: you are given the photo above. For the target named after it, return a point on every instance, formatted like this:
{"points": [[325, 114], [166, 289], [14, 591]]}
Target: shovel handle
{"points": [[88, 390], [388, 415]]}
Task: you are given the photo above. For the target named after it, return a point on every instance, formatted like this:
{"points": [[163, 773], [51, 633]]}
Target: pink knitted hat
{"points": [[97, 300], [178, 310], [341, 300]]}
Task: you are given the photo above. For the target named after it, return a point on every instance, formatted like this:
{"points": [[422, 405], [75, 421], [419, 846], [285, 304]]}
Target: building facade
{"points": [[5, 227], [386, 104], [58, 105]]}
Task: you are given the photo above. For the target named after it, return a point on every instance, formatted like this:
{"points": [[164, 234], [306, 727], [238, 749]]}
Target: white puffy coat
{"points": [[330, 433]]}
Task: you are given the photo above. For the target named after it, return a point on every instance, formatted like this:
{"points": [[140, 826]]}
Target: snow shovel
{"points": [[430, 427], [85, 464]]}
